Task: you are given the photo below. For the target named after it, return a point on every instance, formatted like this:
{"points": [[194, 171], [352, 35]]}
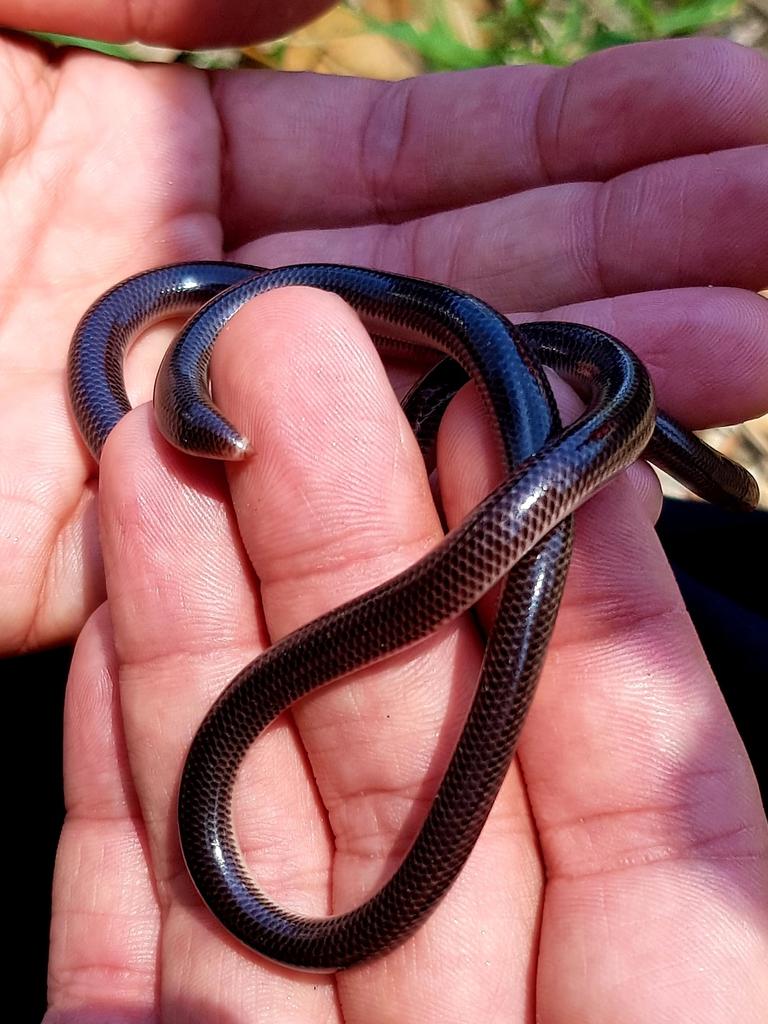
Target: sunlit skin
{"points": [[622, 874]]}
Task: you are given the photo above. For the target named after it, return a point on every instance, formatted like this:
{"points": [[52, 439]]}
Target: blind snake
{"points": [[521, 534]]}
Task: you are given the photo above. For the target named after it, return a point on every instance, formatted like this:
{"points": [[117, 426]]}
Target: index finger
{"points": [[334, 500]]}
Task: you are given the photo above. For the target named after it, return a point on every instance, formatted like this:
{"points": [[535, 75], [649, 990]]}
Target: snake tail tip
{"points": [[242, 449]]}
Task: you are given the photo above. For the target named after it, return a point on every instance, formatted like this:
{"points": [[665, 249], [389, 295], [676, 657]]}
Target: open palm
{"points": [[622, 873]]}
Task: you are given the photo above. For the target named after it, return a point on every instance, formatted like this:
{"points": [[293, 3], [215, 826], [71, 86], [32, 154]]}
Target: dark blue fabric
{"points": [[720, 560]]}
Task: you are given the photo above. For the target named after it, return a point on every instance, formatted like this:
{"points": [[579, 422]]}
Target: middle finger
{"points": [[697, 220]]}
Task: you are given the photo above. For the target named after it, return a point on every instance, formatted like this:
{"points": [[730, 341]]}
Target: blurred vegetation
{"points": [[399, 37], [551, 31]]}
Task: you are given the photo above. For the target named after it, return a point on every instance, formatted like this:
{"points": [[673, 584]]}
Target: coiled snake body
{"points": [[520, 533]]}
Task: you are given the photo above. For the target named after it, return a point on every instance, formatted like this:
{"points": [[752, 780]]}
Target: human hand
{"points": [[106, 168], [621, 875], [446, 177]]}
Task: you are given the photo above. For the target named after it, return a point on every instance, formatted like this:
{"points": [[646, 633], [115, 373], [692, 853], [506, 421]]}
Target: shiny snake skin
{"points": [[521, 533]]}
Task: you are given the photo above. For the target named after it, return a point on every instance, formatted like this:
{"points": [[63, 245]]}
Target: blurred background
{"points": [[392, 39]]}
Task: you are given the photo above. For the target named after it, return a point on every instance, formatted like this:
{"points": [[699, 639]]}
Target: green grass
{"points": [[111, 49], [554, 31], [141, 54]]}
